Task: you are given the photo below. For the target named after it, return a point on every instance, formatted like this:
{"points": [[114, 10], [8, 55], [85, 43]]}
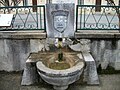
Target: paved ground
{"points": [[11, 81]]}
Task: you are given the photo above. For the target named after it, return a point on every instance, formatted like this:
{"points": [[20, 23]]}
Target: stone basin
{"points": [[60, 79]]}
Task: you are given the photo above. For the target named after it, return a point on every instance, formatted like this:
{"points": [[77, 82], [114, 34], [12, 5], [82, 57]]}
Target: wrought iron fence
{"points": [[25, 17], [88, 19], [33, 17]]}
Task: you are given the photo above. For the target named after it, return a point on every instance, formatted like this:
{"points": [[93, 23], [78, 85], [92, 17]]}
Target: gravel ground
{"points": [[11, 81]]}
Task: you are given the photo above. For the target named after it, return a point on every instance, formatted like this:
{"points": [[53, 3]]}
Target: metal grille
{"points": [[25, 18], [88, 19]]}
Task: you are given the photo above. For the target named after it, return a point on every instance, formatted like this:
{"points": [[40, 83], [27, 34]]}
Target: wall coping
{"points": [[22, 34], [89, 34]]}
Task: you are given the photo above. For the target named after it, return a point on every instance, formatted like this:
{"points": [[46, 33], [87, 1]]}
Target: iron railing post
{"points": [[44, 19], [76, 18]]}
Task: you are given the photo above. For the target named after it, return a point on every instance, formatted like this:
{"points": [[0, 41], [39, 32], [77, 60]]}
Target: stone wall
{"points": [[14, 52], [106, 52], [15, 48]]}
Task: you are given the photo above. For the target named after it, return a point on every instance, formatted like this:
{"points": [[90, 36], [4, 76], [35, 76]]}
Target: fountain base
{"points": [[60, 87], [60, 79], [30, 74]]}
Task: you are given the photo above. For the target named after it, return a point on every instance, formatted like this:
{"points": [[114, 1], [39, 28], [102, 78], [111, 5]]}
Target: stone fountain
{"points": [[61, 65], [61, 73]]}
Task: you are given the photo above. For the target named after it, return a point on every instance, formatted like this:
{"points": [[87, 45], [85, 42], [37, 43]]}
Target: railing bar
{"points": [[44, 19], [76, 18], [4, 11], [94, 19], [87, 17], [112, 17], [14, 16], [84, 17], [40, 19], [19, 17], [37, 18], [100, 17], [85, 20], [107, 19], [26, 18], [118, 14], [80, 17], [33, 17]]}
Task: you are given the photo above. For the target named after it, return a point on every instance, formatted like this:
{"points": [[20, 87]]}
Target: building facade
{"points": [[80, 2]]}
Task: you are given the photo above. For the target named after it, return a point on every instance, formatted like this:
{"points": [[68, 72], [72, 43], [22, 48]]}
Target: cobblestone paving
{"points": [[11, 81]]}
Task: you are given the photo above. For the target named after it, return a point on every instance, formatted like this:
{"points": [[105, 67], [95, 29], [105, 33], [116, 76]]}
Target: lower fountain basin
{"points": [[60, 79]]}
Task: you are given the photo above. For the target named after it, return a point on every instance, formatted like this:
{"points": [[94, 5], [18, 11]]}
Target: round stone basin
{"points": [[61, 78]]}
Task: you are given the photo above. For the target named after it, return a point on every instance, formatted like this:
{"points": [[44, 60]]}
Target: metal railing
{"points": [[88, 19], [33, 17], [25, 17]]}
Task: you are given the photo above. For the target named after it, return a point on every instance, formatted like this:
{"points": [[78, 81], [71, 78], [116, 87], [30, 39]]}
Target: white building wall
{"points": [[86, 2], [89, 2], [65, 1], [39, 2], [92, 2]]}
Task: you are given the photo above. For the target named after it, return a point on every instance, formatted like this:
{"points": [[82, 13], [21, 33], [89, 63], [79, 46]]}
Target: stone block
{"points": [[117, 62], [4, 61], [118, 45], [30, 75], [90, 72], [35, 45], [38, 45], [14, 53], [83, 45], [5, 56]]}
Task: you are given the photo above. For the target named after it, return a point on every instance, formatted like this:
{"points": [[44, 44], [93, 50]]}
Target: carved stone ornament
{"points": [[60, 19]]}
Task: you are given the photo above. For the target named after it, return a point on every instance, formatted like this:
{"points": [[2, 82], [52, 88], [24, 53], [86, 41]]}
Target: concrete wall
{"points": [[92, 2]]}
